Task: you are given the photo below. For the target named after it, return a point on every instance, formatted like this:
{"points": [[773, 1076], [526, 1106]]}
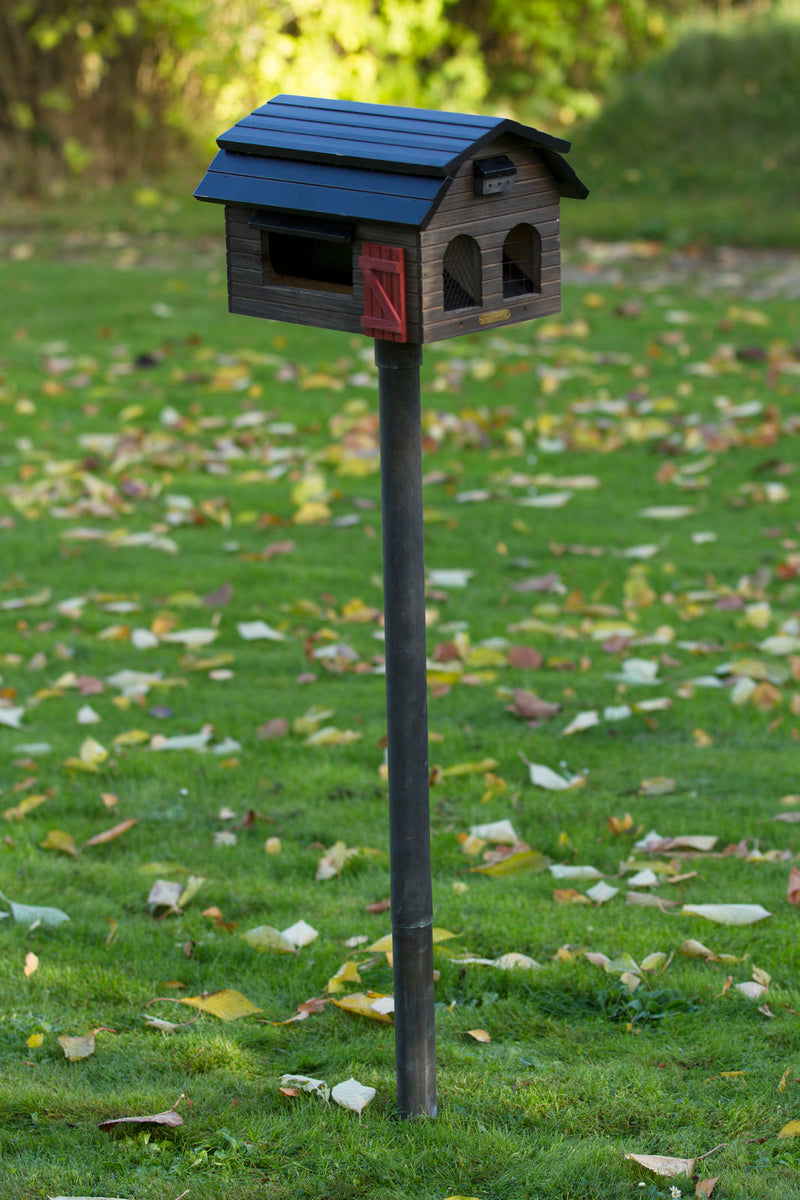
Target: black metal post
{"points": [[407, 723]]}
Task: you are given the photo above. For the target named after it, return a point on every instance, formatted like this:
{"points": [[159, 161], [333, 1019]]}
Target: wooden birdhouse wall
{"points": [[261, 287], [533, 201]]}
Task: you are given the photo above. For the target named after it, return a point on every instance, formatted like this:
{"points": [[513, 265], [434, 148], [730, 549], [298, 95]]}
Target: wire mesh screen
{"points": [[461, 274], [522, 262]]}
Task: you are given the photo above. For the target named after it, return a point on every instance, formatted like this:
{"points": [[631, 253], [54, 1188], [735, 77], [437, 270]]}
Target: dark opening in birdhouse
{"points": [[305, 252], [522, 261], [461, 274]]}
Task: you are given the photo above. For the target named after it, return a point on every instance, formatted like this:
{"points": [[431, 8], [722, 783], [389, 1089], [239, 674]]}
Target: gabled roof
{"points": [[360, 161]]}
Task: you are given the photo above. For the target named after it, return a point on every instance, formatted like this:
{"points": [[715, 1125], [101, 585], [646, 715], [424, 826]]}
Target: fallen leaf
{"points": [[662, 1165], [353, 1095], [33, 914], [705, 1187], [728, 914], [170, 1117], [480, 1035], [793, 889], [76, 1048], [367, 1004], [525, 860], [501, 833], [347, 973], [265, 937], [109, 835], [34, 1041], [306, 1083], [25, 806], [299, 934], [543, 777], [226, 1004], [31, 964], [57, 839], [791, 1129], [470, 768]]}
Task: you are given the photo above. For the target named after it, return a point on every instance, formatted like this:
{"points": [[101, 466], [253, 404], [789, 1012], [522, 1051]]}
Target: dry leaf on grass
{"points": [[170, 1117], [76, 1048], [728, 914], [353, 1095], [375, 1005], [227, 1004], [705, 1187], [662, 1165]]}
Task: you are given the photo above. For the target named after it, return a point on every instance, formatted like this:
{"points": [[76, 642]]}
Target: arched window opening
{"points": [[522, 262], [461, 274]]}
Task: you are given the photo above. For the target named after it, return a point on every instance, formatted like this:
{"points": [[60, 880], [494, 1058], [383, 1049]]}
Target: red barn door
{"points": [[383, 272]]}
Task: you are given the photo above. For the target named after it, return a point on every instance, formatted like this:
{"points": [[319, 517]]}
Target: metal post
{"points": [[407, 724]]}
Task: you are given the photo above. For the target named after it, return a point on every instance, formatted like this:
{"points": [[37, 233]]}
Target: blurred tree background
{"points": [[114, 90]]}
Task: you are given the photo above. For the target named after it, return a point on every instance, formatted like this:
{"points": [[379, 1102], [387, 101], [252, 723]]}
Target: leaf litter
{"points": [[585, 623]]}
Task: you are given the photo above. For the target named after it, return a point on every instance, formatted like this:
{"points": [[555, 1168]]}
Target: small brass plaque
{"points": [[502, 314]]}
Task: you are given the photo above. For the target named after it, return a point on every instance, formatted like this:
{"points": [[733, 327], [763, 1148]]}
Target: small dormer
{"points": [[398, 223]]}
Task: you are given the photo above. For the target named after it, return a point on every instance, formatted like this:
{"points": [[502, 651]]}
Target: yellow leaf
{"points": [[315, 512], [792, 1129], [35, 1040], [57, 839], [92, 752], [470, 768], [76, 1048], [25, 806], [131, 737], [384, 944], [347, 973], [701, 739], [480, 1035], [226, 1004], [367, 1004], [526, 860]]}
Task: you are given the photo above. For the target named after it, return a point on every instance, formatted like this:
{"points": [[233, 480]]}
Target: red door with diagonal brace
{"points": [[383, 272]]}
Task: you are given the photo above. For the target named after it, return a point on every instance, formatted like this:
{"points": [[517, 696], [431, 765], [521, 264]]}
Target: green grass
{"points": [[702, 145], [123, 384]]}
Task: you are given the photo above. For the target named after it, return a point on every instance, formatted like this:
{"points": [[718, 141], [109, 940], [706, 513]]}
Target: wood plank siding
{"points": [[534, 201], [255, 290]]}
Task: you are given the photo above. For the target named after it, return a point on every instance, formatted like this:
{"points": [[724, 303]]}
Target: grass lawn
{"points": [[616, 491]]}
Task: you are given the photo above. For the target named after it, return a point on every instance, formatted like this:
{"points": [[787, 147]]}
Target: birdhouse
{"points": [[399, 223]]}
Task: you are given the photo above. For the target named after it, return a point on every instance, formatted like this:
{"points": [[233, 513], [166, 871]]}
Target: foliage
{"points": [[702, 144], [105, 86]]}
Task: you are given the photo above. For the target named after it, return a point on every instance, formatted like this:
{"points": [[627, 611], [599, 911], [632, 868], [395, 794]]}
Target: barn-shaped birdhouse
{"points": [[399, 223]]}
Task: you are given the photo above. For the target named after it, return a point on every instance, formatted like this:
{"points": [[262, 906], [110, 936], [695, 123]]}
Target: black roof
{"points": [[359, 161]]}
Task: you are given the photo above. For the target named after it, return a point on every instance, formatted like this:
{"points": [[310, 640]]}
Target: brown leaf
{"points": [[660, 1164], [31, 963], [277, 727], [524, 658], [378, 906], [531, 707], [793, 890], [219, 596], [108, 835], [170, 1117], [705, 1187]]}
